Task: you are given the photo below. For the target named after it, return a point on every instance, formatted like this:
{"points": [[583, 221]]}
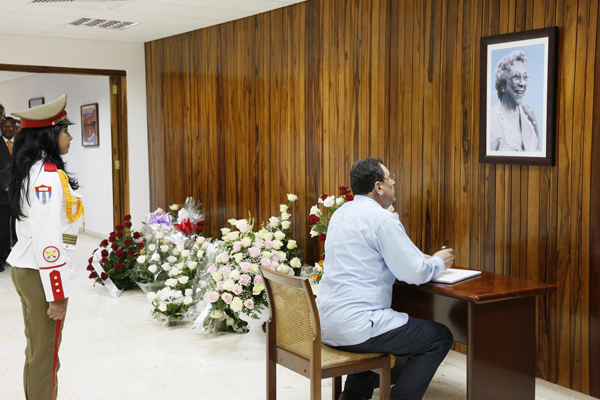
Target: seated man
{"points": [[366, 250]]}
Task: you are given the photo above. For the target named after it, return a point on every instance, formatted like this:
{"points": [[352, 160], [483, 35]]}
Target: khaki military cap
{"points": [[49, 114]]}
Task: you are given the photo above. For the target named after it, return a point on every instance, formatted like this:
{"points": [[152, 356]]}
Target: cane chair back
{"points": [[294, 340]]}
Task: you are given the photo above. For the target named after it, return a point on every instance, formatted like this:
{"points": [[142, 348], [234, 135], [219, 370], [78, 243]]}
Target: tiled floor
{"points": [[113, 349]]}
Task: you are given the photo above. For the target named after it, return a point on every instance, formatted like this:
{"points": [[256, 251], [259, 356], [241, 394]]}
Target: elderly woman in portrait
{"points": [[513, 123]]}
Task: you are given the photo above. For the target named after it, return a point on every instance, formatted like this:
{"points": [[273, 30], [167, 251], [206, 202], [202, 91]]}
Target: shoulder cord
{"points": [[64, 180]]}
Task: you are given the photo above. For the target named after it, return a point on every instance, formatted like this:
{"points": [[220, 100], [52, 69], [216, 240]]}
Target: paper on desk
{"points": [[453, 275]]}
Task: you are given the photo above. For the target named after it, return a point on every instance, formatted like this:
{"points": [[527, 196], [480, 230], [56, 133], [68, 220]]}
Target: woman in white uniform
{"points": [[46, 209]]}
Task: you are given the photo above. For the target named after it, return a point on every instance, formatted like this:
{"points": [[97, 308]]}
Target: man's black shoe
{"points": [[1, 267], [352, 396]]}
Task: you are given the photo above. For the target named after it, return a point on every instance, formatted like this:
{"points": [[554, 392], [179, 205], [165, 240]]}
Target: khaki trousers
{"points": [[43, 337]]}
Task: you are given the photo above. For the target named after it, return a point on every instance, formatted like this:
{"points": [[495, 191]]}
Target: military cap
{"points": [[49, 114]]}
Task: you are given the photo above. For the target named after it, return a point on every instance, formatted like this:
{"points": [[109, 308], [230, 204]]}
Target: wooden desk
{"points": [[494, 315]]}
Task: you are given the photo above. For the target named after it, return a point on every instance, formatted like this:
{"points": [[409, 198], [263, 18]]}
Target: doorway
{"points": [[118, 118]]}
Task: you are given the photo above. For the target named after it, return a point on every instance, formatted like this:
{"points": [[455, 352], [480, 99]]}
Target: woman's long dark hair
{"points": [[32, 145]]}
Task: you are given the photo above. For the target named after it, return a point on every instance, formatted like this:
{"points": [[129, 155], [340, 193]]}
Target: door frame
{"points": [[118, 121]]}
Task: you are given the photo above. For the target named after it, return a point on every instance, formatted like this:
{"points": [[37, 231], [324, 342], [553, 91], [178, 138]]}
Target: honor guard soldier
{"points": [[46, 207]]}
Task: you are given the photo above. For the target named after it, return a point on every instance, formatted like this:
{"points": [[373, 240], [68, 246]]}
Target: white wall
{"points": [[91, 165], [57, 52]]}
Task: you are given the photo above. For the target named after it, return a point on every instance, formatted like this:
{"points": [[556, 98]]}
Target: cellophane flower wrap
{"points": [[117, 255], [233, 284], [177, 300], [164, 241], [276, 238]]}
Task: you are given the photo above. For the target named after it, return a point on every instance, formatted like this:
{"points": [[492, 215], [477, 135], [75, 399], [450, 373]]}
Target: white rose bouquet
{"points": [[233, 284], [176, 301]]}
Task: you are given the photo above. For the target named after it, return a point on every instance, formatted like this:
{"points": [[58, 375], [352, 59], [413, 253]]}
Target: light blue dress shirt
{"points": [[366, 250]]}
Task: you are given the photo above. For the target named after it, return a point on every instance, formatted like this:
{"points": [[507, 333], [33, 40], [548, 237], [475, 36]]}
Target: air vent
{"points": [[102, 23]]}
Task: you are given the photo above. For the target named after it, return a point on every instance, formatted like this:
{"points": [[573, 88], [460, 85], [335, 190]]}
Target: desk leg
{"points": [[501, 350]]}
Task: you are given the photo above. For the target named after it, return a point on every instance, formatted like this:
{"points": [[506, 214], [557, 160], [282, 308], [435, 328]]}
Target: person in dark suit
{"points": [[7, 126]]}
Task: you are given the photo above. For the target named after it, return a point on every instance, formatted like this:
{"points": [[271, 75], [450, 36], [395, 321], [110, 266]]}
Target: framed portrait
{"points": [[38, 101], [518, 97], [89, 125]]}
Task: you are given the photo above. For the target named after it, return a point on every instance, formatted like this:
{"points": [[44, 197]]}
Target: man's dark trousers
{"points": [[424, 344]]}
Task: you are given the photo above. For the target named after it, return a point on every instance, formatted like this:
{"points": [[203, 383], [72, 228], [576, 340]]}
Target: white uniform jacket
{"points": [[40, 234]]}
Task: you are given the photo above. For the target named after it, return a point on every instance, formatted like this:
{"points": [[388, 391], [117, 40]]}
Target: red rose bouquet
{"points": [[321, 213], [117, 256]]}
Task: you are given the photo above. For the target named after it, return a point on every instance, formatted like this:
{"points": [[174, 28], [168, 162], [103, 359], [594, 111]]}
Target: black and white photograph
{"points": [[518, 72]]}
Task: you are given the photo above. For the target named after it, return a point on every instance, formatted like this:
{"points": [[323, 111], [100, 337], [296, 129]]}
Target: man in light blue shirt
{"points": [[366, 250]]}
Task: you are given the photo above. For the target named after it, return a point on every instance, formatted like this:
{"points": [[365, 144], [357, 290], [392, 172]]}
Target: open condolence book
{"points": [[456, 275]]}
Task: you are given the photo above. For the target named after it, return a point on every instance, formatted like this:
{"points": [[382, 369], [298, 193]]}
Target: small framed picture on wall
{"points": [[518, 96], [38, 101], [89, 125]]}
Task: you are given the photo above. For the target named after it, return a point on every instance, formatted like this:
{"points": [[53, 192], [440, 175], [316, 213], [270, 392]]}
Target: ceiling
{"points": [[157, 18]]}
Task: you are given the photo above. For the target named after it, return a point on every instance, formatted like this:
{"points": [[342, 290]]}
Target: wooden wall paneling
{"points": [[566, 74], [287, 100], [588, 182], [594, 238], [314, 117], [451, 224]]}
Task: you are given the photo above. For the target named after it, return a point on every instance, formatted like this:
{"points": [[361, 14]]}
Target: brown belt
{"points": [[69, 239]]}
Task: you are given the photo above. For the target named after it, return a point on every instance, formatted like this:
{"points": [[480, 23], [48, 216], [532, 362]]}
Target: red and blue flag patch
{"points": [[43, 193]]}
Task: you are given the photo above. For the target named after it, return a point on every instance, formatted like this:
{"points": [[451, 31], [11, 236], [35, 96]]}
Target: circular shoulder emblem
{"points": [[51, 254]]}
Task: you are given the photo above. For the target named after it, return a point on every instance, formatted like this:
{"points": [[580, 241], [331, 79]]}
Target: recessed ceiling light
{"points": [[102, 23]]}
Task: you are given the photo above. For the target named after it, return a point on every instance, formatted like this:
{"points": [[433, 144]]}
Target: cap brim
{"points": [[66, 121]]}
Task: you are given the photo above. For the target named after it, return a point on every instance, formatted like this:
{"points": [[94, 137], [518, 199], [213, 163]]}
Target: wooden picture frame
{"points": [[90, 131], [38, 101], [518, 97]]}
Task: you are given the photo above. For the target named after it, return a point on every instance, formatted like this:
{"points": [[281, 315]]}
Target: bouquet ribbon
{"points": [[185, 226], [113, 290]]}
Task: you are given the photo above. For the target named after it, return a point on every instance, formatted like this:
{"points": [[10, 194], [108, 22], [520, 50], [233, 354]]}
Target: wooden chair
{"points": [[294, 341]]}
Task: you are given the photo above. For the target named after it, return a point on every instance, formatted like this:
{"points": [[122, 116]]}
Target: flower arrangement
{"points": [[319, 219], [233, 284], [117, 256], [164, 241], [276, 237], [175, 301]]}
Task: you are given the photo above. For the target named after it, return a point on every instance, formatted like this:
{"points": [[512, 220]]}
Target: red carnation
{"points": [[199, 229], [104, 253], [343, 190], [114, 246], [127, 242], [349, 197], [130, 252], [136, 235], [140, 245], [104, 260], [90, 268], [324, 196], [128, 224], [93, 275], [200, 223], [111, 238], [322, 237], [104, 243], [127, 217], [314, 219], [119, 234], [104, 276], [120, 253], [119, 227], [118, 266]]}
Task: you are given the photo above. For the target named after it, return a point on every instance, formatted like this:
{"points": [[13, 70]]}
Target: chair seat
{"points": [[331, 356]]}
